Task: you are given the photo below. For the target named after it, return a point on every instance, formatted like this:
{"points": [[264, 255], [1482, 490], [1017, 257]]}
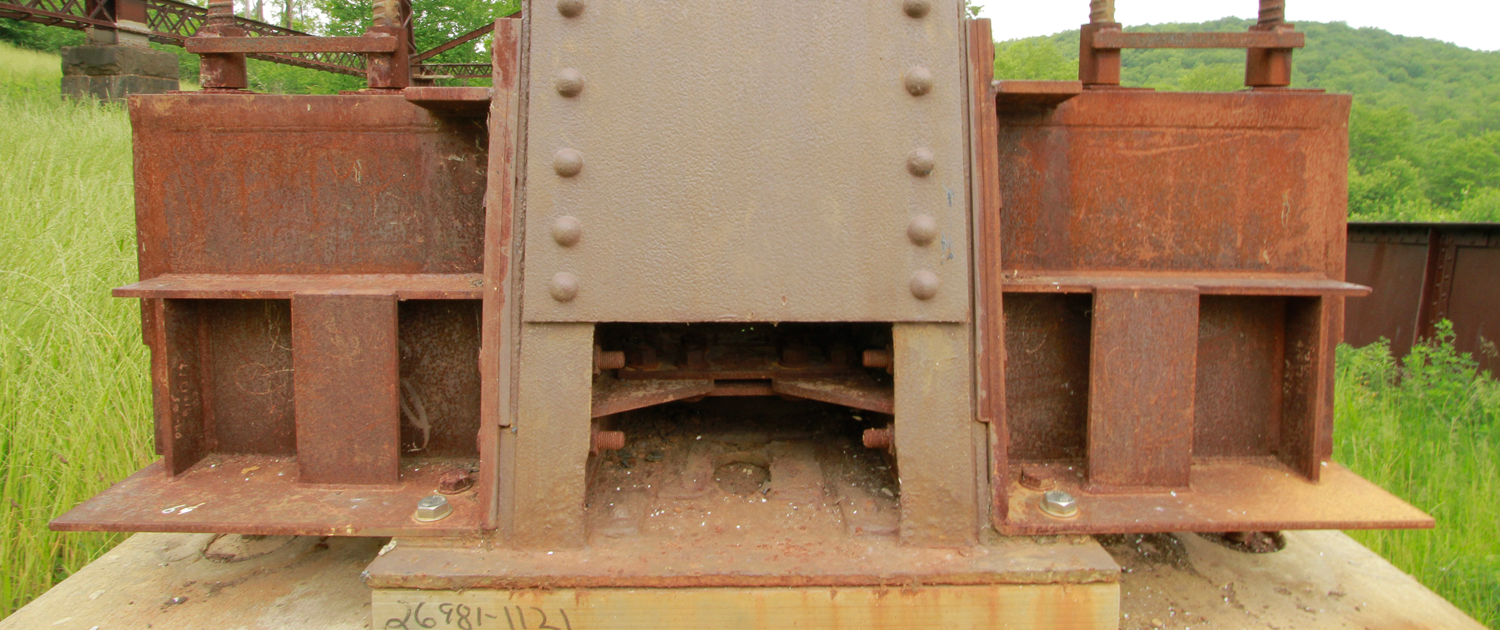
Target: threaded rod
{"points": [[1102, 11], [1272, 12]]}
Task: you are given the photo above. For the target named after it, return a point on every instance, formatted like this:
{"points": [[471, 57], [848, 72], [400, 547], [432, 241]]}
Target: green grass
{"points": [[1428, 430], [75, 410], [75, 404]]}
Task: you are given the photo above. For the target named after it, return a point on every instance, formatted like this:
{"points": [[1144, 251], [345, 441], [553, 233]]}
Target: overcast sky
{"points": [[1468, 23]]}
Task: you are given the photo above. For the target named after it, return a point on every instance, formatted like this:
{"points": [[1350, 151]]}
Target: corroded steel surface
{"points": [[248, 494], [1227, 496], [757, 165], [1114, 180], [1127, 295], [1142, 364], [262, 184], [1110, 194], [346, 372]]}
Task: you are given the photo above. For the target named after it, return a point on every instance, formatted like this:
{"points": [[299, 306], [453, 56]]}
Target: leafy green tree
{"points": [[1033, 59]]}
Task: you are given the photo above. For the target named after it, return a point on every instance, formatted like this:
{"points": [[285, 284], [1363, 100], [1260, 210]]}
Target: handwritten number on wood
{"points": [[465, 617]]}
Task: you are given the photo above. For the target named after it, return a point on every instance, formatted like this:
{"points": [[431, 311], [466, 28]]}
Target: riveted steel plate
{"points": [[747, 164]]}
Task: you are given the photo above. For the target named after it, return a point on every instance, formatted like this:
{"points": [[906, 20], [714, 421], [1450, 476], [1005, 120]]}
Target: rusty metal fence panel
{"points": [[1423, 273]]}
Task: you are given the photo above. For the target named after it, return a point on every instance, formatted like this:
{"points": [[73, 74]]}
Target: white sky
{"points": [[1469, 23]]}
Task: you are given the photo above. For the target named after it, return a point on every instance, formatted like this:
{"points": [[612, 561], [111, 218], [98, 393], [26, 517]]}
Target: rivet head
{"points": [[433, 508], [569, 82], [564, 286], [923, 229], [1059, 504], [918, 80], [566, 231], [916, 8], [924, 284], [568, 162], [570, 8], [920, 162]]}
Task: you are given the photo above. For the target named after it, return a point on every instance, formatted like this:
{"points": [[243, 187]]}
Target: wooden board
{"points": [[302, 585], [1052, 606]]}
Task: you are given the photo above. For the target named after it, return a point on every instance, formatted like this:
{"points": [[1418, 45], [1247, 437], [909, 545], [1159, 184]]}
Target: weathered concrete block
{"points": [[114, 88], [118, 60]]}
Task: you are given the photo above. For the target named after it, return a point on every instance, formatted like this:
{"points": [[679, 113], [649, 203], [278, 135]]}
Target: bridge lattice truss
{"points": [[172, 22]]}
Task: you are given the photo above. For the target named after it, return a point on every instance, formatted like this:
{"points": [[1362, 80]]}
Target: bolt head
{"points": [[569, 82], [924, 284], [564, 286], [570, 8], [567, 162], [433, 508], [918, 80], [567, 231], [916, 8], [1059, 504], [923, 229], [919, 162]]}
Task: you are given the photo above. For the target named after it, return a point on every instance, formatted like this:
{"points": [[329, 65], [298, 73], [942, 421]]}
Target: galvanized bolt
{"points": [[564, 286], [920, 162], [567, 162], [433, 508], [916, 8], [569, 82], [566, 231], [924, 284], [455, 481], [1059, 504], [918, 80], [570, 8], [923, 229]]}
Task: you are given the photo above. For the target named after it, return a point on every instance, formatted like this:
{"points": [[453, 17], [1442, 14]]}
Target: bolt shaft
{"points": [[1101, 11], [220, 11], [1272, 12]]}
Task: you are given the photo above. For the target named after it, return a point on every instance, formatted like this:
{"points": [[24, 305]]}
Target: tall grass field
{"points": [[75, 409]]}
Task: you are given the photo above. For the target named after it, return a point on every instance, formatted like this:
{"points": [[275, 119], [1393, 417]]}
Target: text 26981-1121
{"points": [[446, 615]]}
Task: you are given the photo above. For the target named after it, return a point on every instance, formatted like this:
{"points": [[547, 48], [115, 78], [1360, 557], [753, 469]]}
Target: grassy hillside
{"points": [[1424, 133], [74, 399]]}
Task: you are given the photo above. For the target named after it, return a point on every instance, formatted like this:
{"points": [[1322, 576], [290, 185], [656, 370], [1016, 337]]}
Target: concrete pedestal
{"points": [[110, 73]]}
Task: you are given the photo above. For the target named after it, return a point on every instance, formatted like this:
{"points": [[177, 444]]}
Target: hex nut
{"points": [[455, 481], [566, 231], [570, 8], [1059, 504], [567, 162], [919, 162], [916, 8], [922, 230], [433, 508], [569, 82], [924, 284], [564, 286], [918, 80], [879, 438]]}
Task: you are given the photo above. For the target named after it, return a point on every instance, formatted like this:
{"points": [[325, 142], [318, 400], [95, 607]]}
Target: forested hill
{"points": [[1424, 134]]}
